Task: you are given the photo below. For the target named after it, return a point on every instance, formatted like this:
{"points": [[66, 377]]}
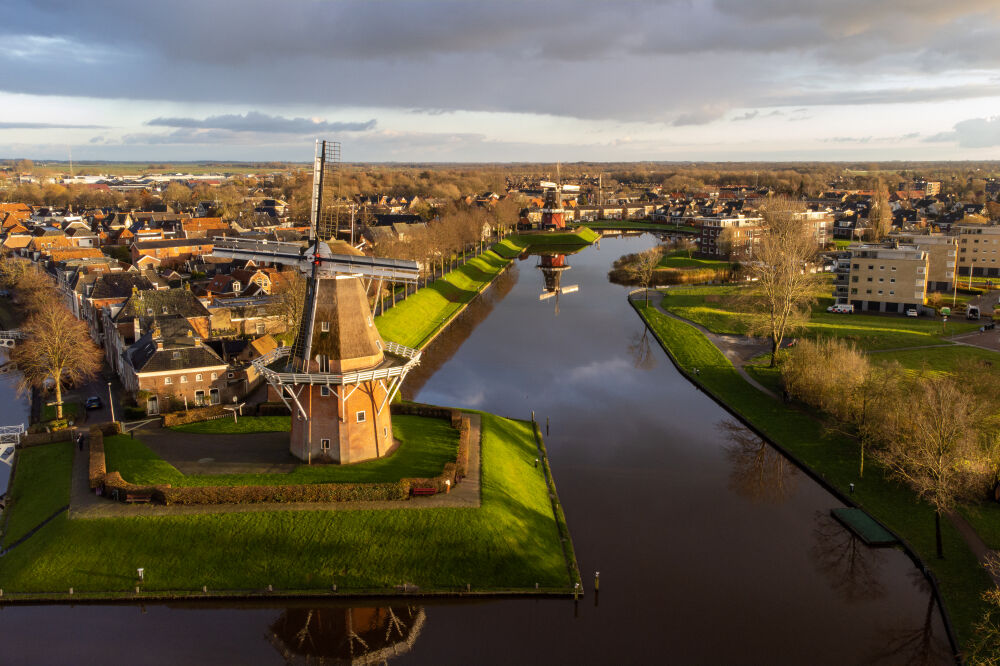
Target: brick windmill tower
{"points": [[339, 376], [553, 213]]}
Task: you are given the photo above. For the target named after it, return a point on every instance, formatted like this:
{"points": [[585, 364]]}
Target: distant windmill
{"points": [[553, 213], [339, 377]]}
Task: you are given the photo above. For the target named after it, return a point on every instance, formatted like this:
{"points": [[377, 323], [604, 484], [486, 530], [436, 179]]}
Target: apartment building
{"points": [[978, 250], [942, 257], [883, 278], [734, 238]]}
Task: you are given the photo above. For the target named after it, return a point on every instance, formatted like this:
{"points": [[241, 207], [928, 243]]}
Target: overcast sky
{"points": [[464, 80]]}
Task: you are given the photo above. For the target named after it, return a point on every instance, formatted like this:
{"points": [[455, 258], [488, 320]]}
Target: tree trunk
{"points": [[861, 467], [775, 343], [937, 534]]}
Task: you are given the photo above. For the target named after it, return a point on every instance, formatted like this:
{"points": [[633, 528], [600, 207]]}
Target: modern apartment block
{"points": [[883, 278], [734, 238], [942, 257], [978, 250]]}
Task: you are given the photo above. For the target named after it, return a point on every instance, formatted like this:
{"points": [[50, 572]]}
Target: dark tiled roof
{"points": [[162, 302], [119, 285]]}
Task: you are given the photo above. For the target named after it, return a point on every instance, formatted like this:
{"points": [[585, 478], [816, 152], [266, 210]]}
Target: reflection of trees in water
{"points": [[640, 350], [910, 643], [852, 568], [759, 471], [451, 339], [346, 635]]}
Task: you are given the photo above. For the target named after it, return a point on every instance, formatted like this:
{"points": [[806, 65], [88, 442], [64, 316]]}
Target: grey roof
{"points": [[182, 350], [119, 285], [158, 303]]}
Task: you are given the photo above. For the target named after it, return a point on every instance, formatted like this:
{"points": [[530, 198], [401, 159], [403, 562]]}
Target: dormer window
{"points": [[164, 309], [325, 326], [149, 311]]}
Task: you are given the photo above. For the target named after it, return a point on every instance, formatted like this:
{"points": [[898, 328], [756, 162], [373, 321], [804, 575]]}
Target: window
{"points": [[869, 279], [184, 379], [857, 266], [881, 279], [324, 444], [176, 355], [168, 380], [324, 391], [261, 329], [879, 292], [892, 268], [868, 291], [229, 375], [198, 377], [891, 292], [236, 286], [881, 268], [854, 278], [324, 326], [891, 280], [871, 267], [199, 398], [385, 431], [360, 416], [215, 375], [854, 291]]}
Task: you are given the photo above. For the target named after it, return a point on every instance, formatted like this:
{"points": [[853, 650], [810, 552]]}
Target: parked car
{"points": [[972, 312], [841, 308], [93, 402], [912, 312]]}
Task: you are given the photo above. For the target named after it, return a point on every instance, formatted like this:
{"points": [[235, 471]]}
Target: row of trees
{"points": [[938, 433], [57, 348]]}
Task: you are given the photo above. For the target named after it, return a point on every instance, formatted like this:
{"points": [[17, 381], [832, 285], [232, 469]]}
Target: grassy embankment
{"points": [[510, 543], [32, 498], [415, 321], [425, 445], [834, 457]]}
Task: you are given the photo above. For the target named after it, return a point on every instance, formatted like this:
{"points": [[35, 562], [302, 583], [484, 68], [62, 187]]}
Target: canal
{"points": [[711, 547]]}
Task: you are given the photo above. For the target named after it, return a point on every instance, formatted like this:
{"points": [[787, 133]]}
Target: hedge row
{"points": [[192, 415], [273, 409], [427, 411], [462, 460], [98, 470]]}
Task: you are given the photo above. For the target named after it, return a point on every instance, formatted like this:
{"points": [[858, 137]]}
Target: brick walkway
{"points": [[84, 504]]}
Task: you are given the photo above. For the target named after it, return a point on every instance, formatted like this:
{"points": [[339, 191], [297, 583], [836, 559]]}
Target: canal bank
{"points": [[830, 459], [707, 553]]}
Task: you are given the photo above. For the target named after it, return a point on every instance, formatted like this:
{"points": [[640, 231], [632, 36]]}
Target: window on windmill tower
{"points": [[360, 416], [324, 391], [325, 326]]}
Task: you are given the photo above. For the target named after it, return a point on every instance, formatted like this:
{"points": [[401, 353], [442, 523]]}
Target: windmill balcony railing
{"points": [[324, 378]]}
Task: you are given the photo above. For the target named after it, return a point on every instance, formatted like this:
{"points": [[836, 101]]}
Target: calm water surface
{"points": [[712, 548]]}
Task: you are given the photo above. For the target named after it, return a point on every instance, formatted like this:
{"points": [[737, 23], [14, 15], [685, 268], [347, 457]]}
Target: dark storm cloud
{"points": [[664, 61], [254, 121], [23, 126]]}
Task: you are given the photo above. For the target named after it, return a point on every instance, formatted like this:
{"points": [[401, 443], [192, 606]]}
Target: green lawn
{"points": [[414, 321], [940, 359], [681, 260], [511, 541], [629, 225], [70, 410], [244, 424], [710, 306], [41, 486], [425, 446], [835, 458], [579, 236]]}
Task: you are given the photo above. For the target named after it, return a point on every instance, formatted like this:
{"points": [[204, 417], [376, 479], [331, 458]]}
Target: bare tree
{"points": [[986, 643], [783, 286], [853, 569], [641, 351], [879, 215], [57, 347], [642, 268], [759, 471], [290, 300], [938, 448]]}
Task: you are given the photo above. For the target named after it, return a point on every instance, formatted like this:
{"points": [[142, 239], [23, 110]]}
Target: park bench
{"points": [[421, 490], [138, 497]]}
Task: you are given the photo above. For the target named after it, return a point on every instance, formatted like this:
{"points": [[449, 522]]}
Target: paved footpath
{"points": [[85, 504]]}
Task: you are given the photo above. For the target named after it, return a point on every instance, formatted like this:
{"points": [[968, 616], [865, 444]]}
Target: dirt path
{"points": [[737, 348], [86, 505]]}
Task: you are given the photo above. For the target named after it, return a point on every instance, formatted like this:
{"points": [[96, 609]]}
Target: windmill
{"points": [[553, 213], [339, 376], [552, 267]]}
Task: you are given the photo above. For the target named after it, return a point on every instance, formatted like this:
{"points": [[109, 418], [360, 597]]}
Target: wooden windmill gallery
{"points": [[339, 377]]}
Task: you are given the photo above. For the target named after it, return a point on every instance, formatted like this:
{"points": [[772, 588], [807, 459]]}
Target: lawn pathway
{"points": [[85, 504], [738, 349]]}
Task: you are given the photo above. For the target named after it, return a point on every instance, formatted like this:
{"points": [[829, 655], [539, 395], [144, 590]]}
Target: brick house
{"points": [[171, 253]]}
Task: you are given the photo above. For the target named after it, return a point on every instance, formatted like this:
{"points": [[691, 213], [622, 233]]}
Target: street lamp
{"points": [[111, 403]]}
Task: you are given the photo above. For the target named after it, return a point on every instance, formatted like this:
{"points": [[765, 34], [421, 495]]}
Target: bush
{"points": [[272, 409], [315, 492], [192, 415], [135, 413]]}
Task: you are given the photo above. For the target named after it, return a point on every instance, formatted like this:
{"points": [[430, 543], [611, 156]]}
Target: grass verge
{"points": [[510, 543], [41, 486], [70, 410], [626, 225], [245, 424], [834, 458], [425, 446], [416, 320]]}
